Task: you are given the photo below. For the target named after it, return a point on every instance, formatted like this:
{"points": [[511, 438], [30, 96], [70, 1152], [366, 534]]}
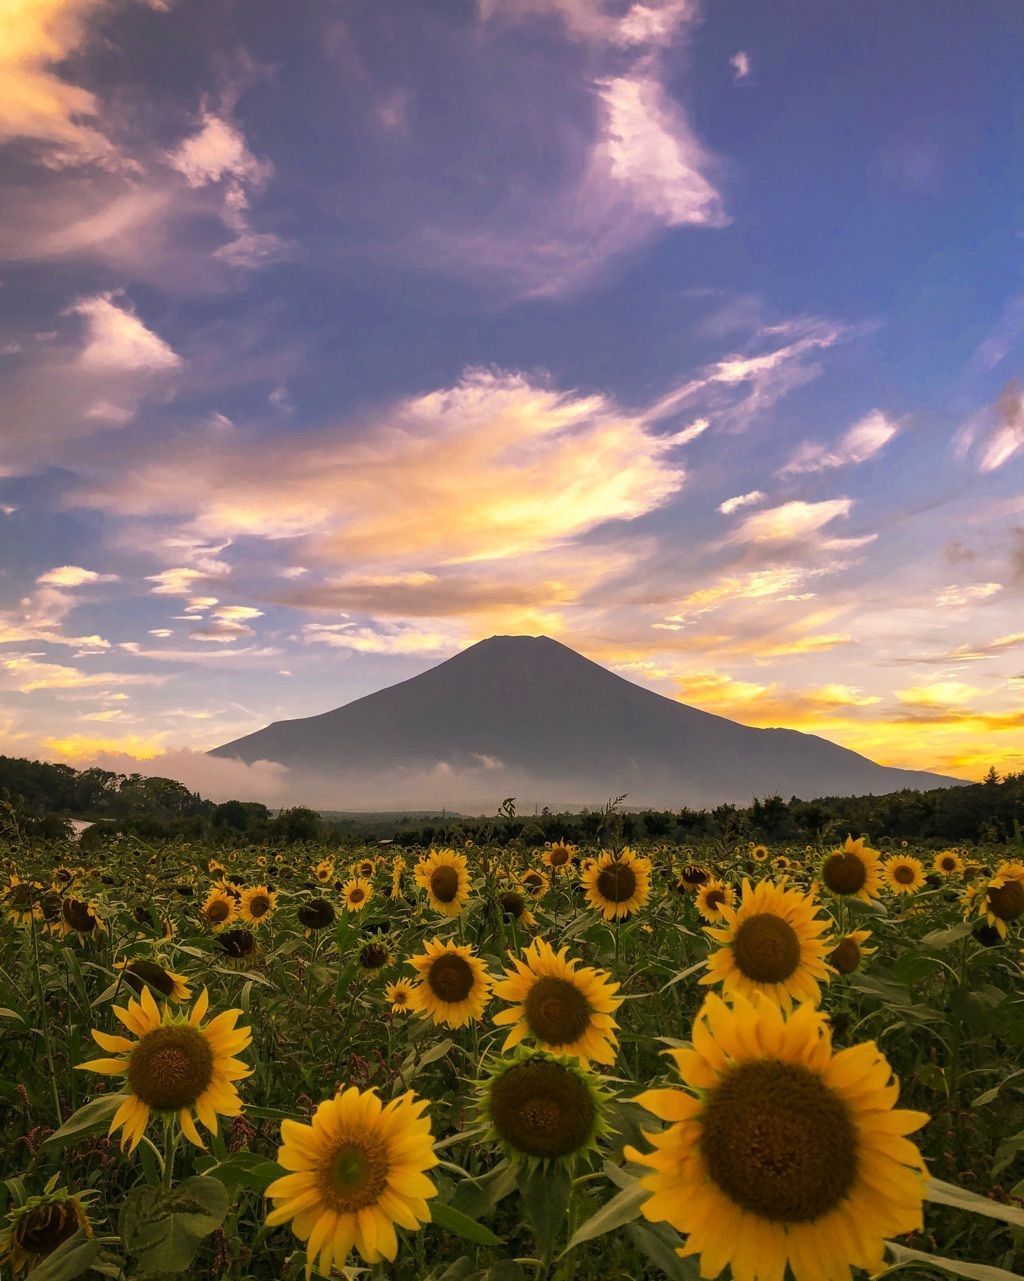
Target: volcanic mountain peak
{"points": [[527, 715]]}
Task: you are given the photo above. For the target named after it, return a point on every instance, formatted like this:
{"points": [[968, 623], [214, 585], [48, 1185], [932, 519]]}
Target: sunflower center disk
{"points": [[904, 874], [512, 905], [1006, 901], [78, 916], [141, 971], [170, 1068], [844, 873], [218, 911], [451, 978], [715, 898], [559, 858], [557, 1012], [444, 884], [778, 1142], [845, 956], [47, 1227], [617, 882], [356, 1174], [542, 1110], [259, 906], [766, 948]]}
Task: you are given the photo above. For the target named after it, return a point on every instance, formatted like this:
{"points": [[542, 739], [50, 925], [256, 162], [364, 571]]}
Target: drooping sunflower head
{"points": [[23, 901], [374, 957], [317, 914], [617, 884], [356, 1171], [948, 863], [237, 943], [399, 994], [454, 986], [712, 896], [787, 1154], [903, 873], [559, 857], [33, 1230], [772, 943], [542, 1108], [140, 972], [848, 953], [177, 1065], [514, 907], [257, 904], [693, 876], [444, 876], [79, 919], [563, 1007], [219, 908], [535, 882], [356, 893], [853, 871]]}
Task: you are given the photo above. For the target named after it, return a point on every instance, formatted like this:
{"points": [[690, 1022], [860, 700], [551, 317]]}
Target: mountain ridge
{"points": [[526, 712]]}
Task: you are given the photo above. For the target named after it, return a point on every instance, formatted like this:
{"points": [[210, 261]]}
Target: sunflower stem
{"points": [[45, 1021]]}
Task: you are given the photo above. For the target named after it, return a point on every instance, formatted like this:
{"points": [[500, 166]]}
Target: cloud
{"points": [[955, 595], [26, 674], [755, 585], [993, 436], [653, 153], [741, 500], [74, 576], [218, 150], [650, 25], [116, 339], [380, 640], [38, 104], [740, 64], [40, 617], [861, 442], [797, 522]]}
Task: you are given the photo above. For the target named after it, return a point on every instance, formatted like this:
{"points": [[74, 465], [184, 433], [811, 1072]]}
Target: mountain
{"points": [[529, 717]]}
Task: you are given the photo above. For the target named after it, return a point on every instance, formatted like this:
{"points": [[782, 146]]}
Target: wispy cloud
{"points": [[862, 441], [740, 64], [741, 500], [993, 436], [116, 339], [74, 576]]}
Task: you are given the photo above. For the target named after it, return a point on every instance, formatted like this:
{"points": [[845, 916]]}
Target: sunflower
{"points": [[79, 919], [444, 876], [1002, 900], [257, 904], [712, 896], [140, 972], [365, 867], [564, 1008], [948, 863], [542, 1108], [617, 884], [317, 914], [693, 876], [324, 871], [772, 944], [849, 951], [356, 1171], [397, 869], [175, 1065], [514, 908], [215, 867], [399, 994], [35, 1229], [23, 900], [759, 853], [374, 957], [787, 1152], [853, 871], [535, 882], [218, 908], [237, 943], [454, 987], [356, 893], [903, 873], [559, 857]]}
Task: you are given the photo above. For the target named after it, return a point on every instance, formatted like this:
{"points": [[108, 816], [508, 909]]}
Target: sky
{"points": [[688, 334]]}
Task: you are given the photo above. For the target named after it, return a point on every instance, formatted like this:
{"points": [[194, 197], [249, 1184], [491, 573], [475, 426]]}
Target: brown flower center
{"points": [[844, 873], [766, 948], [616, 882], [451, 978], [77, 915], [1006, 901], [171, 1067], [846, 955], [46, 1227], [559, 856], [903, 873], [217, 911], [513, 905], [259, 905], [542, 1109], [714, 899], [140, 972], [444, 884], [779, 1142], [557, 1012]]}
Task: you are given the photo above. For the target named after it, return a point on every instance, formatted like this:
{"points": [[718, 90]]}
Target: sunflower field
{"points": [[487, 1062]]}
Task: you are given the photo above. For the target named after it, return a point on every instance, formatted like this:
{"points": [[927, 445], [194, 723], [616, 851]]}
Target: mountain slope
{"points": [[529, 716]]}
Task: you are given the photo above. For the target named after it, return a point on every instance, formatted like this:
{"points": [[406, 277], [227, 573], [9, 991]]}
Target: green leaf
{"points": [[505, 1270], [545, 1194], [974, 1271], [619, 1211], [949, 1194], [659, 1245], [91, 1118], [163, 1230], [70, 1259], [246, 1170], [939, 939], [460, 1270], [477, 1197], [452, 1221]]}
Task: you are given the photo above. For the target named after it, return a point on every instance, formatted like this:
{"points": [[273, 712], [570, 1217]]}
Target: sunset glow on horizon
{"points": [[687, 335]]}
